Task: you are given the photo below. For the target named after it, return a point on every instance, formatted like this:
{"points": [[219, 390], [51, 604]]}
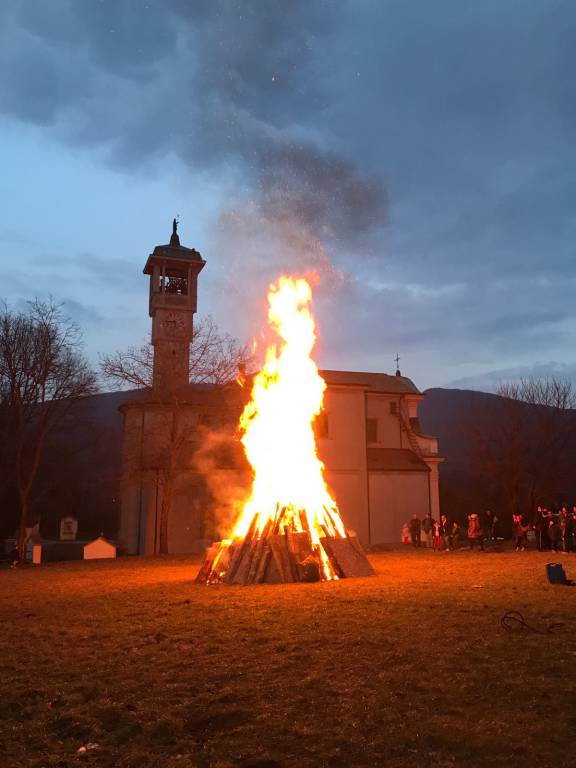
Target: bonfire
{"points": [[290, 528]]}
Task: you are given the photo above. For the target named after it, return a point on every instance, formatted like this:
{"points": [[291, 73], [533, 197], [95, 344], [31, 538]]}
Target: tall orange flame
{"points": [[288, 489]]}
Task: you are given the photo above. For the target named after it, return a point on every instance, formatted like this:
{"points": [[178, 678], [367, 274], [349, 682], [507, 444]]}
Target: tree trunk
{"points": [[22, 527]]}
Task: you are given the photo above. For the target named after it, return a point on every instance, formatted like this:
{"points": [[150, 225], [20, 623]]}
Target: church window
{"points": [[371, 430], [394, 408]]}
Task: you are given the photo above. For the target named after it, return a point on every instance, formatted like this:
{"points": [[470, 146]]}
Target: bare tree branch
{"points": [[214, 359], [42, 372], [552, 392]]}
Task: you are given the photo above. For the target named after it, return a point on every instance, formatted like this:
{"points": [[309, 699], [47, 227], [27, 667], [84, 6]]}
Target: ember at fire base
{"points": [[282, 555]]}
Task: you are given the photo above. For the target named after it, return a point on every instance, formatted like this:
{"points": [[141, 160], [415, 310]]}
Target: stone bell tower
{"points": [[173, 271]]}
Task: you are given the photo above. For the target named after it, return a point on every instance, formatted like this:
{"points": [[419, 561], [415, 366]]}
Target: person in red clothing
{"points": [[521, 528], [475, 533]]}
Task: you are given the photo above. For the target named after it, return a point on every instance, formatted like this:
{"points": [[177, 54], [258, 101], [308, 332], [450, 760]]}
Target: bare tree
{"points": [[522, 441], [214, 359], [552, 392], [42, 372]]}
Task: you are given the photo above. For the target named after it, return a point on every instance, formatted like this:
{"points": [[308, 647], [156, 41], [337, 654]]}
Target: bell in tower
{"points": [[173, 271]]}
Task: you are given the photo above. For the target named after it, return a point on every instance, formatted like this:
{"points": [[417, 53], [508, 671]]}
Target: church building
{"points": [[183, 467]]}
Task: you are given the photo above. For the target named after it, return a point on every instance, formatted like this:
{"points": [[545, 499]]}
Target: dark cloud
{"points": [[308, 111], [215, 82]]}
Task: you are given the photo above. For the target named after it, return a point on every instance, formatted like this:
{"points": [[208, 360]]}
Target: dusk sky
{"points": [[419, 156]]}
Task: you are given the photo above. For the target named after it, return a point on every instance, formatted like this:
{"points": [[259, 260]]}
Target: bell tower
{"points": [[173, 271]]}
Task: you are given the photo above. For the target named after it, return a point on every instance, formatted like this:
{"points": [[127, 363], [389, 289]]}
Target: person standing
{"points": [[437, 541], [520, 531], [475, 533], [455, 535], [540, 525], [428, 528], [445, 532], [554, 534], [490, 521], [406, 533], [415, 530], [567, 527]]}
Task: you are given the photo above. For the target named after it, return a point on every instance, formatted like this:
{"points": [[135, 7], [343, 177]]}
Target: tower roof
{"points": [[174, 252]]}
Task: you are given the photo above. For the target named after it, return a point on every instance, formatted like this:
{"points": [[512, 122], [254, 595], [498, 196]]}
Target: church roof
{"points": [[395, 460], [173, 251], [213, 394], [375, 382]]}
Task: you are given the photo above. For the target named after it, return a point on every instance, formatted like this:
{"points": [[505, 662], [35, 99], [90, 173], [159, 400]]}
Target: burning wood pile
{"points": [[272, 556], [290, 528]]}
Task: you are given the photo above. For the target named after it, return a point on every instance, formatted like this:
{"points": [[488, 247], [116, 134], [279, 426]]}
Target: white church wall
{"points": [[394, 498], [344, 448], [378, 407], [343, 452], [350, 493]]}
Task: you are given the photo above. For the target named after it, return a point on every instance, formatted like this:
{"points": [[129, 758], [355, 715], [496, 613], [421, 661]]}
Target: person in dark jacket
{"points": [[541, 526], [415, 530], [445, 530], [567, 527], [490, 521], [554, 534], [455, 535], [428, 528]]}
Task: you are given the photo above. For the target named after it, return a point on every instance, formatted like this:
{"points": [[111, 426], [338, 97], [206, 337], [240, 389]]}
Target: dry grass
{"points": [[408, 668]]}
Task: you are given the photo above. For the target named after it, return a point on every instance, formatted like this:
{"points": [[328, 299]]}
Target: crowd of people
{"points": [[553, 530]]}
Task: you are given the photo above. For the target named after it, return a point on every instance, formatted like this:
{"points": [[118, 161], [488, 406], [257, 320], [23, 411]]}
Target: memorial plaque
{"points": [[68, 528]]}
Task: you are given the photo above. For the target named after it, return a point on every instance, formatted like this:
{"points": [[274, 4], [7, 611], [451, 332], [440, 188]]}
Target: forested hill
{"points": [[447, 413], [500, 454]]}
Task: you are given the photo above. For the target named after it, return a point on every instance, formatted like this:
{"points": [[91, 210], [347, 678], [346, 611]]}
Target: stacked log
{"points": [[279, 554]]}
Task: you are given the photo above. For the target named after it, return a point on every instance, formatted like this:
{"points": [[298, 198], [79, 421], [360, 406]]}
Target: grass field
{"points": [[408, 668]]}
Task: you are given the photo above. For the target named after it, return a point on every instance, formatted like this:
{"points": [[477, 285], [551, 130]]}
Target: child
{"points": [[520, 531], [455, 535], [437, 538], [406, 534]]}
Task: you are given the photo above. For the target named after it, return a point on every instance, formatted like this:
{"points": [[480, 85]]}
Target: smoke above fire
{"points": [[231, 89]]}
